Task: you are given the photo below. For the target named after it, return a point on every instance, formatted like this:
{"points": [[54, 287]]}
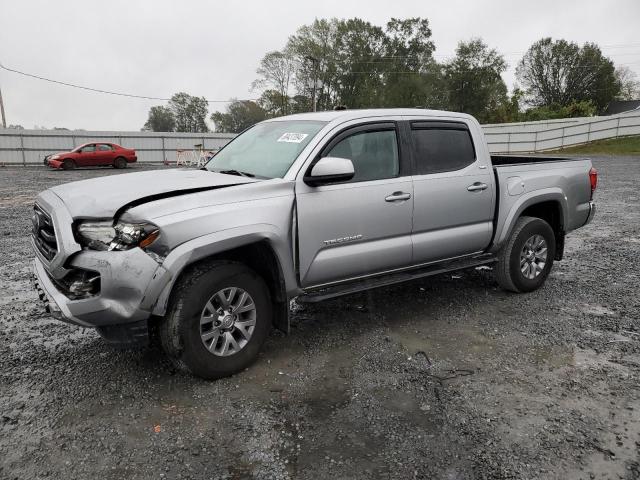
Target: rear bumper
{"points": [[592, 212]]}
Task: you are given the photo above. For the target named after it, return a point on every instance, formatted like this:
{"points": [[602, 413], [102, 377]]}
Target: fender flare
{"points": [[219, 242], [504, 228]]}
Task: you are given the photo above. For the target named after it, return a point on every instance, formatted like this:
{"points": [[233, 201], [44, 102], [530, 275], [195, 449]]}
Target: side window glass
{"points": [[374, 154], [88, 149], [104, 148], [442, 150]]}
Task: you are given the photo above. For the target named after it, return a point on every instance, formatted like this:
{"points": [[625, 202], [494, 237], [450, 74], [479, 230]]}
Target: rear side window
{"points": [[442, 148], [374, 154], [105, 148]]}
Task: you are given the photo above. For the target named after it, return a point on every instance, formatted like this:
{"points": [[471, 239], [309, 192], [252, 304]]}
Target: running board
{"points": [[326, 293]]}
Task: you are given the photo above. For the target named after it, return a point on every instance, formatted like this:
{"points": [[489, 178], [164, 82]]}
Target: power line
{"points": [[98, 90], [347, 72]]}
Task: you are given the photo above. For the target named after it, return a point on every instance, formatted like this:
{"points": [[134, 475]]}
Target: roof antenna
{"points": [[340, 107]]}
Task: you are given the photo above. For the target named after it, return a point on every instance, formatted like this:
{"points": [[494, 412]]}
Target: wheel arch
{"points": [[258, 251], [549, 205]]}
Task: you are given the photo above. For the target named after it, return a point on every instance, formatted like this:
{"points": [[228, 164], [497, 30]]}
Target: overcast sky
{"points": [[212, 48]]}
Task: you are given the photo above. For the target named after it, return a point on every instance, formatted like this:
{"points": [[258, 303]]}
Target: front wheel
{"points": [[218, 319], [68, 164], [526, 259]]}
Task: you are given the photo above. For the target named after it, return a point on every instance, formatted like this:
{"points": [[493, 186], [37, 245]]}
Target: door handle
{"points": [[476, 187], [397, 196]]}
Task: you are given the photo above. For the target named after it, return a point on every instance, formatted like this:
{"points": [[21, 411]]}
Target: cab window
{"points": [[441, 147], [374, 154]]}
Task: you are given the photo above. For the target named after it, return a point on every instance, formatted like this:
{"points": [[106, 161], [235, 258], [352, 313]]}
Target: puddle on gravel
{"points": [[446, 343], [554, 357]]}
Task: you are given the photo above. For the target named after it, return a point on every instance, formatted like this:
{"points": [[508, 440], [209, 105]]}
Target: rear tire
{"points": [[68, 164], [120, 163], [525, 261], [213, 335]]}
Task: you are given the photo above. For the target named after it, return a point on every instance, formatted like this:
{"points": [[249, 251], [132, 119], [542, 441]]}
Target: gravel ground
{"points": [[447, 377]]}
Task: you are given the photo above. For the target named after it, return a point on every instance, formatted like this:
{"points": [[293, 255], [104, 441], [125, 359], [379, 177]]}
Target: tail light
{"points": [[593, 179]]}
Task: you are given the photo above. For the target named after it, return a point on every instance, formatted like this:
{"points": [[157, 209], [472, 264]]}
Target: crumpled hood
{"points": [[102, 197]]}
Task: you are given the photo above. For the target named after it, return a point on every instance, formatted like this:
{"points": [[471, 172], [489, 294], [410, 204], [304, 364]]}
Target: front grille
{"points": [[44, 234]]}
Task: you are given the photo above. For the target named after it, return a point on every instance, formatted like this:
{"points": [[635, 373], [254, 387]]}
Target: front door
{"points": [[363, 226], [453, 191], [87, 157]]}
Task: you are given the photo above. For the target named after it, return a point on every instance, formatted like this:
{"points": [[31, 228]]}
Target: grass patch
{"points": [[611, 146]]}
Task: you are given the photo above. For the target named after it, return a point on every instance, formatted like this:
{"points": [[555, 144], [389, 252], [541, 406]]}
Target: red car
{"points": [[92, 155]]}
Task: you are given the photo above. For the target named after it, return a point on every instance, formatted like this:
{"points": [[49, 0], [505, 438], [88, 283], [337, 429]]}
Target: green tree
{"points": [[241, 114], [474, 82], [189, 112], [411, 75], [358, 64], [313, 47], [583, 108], [160, 119], [561, 73], [355, 63], [273, 103]]}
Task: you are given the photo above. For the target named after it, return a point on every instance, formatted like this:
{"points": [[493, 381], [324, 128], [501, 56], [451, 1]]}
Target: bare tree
{"points": [[276, 73], [629, 84]]}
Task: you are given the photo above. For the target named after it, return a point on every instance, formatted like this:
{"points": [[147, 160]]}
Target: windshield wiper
{"points": [[237, 172]]}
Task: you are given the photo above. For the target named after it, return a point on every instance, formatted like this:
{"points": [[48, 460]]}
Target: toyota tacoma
{"points": [[306, 207]]}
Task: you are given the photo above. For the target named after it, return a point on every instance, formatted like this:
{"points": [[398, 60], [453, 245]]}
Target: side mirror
{"points": [[330, 170]]}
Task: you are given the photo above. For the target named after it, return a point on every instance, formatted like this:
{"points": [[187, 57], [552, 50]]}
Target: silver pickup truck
{"points": [[306, 207]]}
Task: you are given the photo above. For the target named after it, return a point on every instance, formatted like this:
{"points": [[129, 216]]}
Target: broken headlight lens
{"points": [[96, 235], [121, 236]]}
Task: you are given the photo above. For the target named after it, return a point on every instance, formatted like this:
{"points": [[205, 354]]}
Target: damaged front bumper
{"points": [[130, 283]]}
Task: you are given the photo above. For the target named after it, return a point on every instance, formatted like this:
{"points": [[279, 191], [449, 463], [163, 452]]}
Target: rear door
{"points": [[453, 189], [363, 226]]}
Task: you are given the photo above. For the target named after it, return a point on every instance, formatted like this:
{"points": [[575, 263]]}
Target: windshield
{"points": [[267, 149]]}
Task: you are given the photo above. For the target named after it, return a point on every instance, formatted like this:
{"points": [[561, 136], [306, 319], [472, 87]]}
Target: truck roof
{"points": [[344, 115]]}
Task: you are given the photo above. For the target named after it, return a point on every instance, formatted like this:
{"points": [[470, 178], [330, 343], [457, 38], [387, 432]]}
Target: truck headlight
{"points": [[121, 236]]}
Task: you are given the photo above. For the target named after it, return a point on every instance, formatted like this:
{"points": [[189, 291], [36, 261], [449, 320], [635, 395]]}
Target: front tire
{"points": [[219, 317], [525, 261], [68, 164]]}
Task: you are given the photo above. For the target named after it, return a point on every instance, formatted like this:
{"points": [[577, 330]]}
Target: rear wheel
{"points": [[525, 261], [120, 163], [68, 164], [218, 319]]}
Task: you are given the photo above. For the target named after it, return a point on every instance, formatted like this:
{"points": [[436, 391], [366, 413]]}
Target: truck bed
{"points": [[501, 160], [561, 180]]}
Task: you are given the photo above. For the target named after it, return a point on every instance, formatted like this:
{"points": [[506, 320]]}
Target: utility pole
{"points": [[4, 121], [315, 62]]}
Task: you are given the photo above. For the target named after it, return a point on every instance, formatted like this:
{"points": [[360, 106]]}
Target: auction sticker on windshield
{"points": [[293, 137]]}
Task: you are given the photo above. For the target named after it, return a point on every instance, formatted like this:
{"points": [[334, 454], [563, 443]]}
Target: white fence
{"points": [[28, 147], [528, 137]]}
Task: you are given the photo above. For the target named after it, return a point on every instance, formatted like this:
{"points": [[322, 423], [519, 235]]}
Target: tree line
{"points": [[356, 64]]}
